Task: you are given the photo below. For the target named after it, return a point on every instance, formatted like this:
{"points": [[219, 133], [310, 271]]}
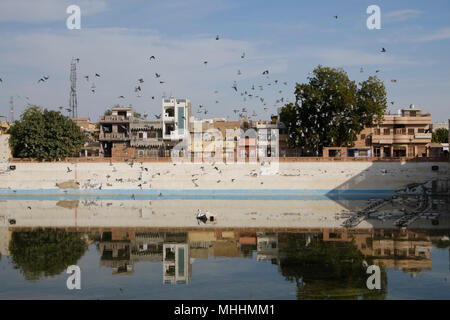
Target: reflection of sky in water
{"points": [[221, 278], [212, 278]]}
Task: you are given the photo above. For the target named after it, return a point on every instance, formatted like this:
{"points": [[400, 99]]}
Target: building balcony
{"points": [[146, 143], [115, 119], [423, 135], [114, 137], [168, 118], [401, 138], [395, 119]]}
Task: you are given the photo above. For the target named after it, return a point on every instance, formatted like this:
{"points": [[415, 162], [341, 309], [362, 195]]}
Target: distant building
{"points": [[4, 126], [146, 138], [175, 117], [247, 142], [115, 134], [404, 135], [214, 139], [439, 125], [92, 147], [85, 124], [242, 140]]}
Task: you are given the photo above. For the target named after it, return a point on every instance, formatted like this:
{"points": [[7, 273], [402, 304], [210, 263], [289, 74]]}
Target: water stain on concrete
{"points": [[68, 204], [71, 184]]}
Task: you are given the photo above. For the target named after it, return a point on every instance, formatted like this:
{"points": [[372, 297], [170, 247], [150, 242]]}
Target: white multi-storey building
{"points": [[175, 117]]}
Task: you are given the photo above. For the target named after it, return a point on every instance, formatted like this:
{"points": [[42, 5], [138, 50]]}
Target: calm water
{"points": [[224, 263]]}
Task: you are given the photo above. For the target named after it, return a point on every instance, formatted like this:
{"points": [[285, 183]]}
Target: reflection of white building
{"points": [[267, 246], [175, 118], [5, 238], [177, 268]]}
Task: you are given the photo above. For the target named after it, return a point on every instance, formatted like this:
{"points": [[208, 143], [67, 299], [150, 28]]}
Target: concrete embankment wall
{"points": [[207, 177], [286, 214], [169, 213]]}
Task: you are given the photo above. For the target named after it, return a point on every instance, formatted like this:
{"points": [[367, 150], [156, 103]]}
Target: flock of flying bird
{"points": [[248, 93]]}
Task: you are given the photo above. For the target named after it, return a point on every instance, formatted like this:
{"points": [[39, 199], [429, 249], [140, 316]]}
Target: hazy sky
{"points": [[288, 38]]}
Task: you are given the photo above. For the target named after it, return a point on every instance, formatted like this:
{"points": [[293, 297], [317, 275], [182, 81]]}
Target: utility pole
{"points": [[73, 103], [11, 110]]}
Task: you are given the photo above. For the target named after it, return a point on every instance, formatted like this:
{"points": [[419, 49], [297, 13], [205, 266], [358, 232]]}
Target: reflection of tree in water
{"points": [[45, 253], [327, 269]]}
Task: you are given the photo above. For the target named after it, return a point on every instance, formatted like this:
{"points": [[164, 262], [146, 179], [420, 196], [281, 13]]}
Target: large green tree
{"points": [[327, 269], [44, 134], [331, 110], [45, 253], [440, 135]]}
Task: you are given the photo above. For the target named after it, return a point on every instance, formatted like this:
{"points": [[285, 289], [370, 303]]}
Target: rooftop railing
{"points": [[116, 119]]}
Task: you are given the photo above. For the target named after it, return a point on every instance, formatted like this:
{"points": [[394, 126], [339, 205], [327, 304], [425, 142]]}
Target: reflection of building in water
{"points": [[267, 247], [221, 244], [401, 249], [177, 266], [5, 238], [120, 248], [147, 246], [115, 251]]}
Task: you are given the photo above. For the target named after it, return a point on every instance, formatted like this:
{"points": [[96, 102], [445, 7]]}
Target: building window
{"points": [[363, 137], [181, 118], [387, 132], [421, 130], [411, 132]]}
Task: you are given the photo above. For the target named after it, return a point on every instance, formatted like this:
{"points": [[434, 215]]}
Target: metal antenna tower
{"points": [[11, 110], [73, 103]]}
